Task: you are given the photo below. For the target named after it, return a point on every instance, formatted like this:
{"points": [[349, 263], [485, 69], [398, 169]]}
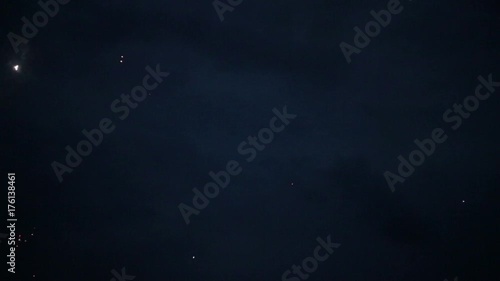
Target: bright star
{"points": [[16, 67]]}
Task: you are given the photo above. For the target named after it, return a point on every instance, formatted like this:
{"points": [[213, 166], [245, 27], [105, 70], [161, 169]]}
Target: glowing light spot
{"points": [[16, 67]]}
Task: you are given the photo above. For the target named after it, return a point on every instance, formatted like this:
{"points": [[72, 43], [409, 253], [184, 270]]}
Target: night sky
{"points": [[386, 150]]}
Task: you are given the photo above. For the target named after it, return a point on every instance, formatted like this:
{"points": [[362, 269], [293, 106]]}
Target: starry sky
{"points": [[322, 175]]}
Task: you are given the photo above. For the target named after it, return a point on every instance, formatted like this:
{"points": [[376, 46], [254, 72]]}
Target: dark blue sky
{"points": [[119, 207]]}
